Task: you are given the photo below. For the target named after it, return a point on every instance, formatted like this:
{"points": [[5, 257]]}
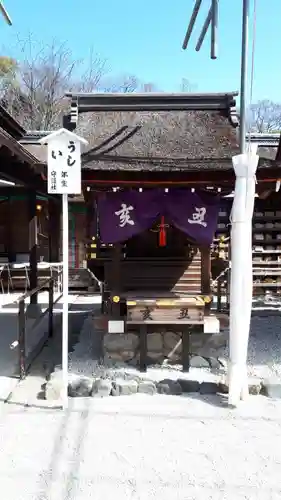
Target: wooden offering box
{"points": [[178, 311]]}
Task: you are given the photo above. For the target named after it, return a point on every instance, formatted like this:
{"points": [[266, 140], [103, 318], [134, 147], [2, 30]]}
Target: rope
{"points": [[213, 282]]}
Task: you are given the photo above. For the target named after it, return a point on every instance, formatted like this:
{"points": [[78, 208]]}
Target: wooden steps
{"points": [[166, 275]]}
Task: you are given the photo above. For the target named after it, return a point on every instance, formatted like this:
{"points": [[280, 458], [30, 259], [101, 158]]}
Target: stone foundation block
{"points": [[199, 362], [254, 385], [118, 342], [124, 387], [170, 387], [81, 387], [209, 388], [101, 388], [189, 385], [271, 387], [54, 386], [53, 390], [147, 387]]}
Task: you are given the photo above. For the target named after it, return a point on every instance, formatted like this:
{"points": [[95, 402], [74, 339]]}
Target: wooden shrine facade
{"points": [[136, 142], [143, 143], [139, 142], [29, 218]]}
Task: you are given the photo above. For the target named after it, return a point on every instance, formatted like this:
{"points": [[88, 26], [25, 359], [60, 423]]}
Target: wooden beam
{"points": [[54, 235], [200, 178], [9, 232], [32, 229]]}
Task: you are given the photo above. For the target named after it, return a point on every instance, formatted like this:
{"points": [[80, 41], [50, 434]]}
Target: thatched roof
{"points": [[198, 127], [200, 132], [126, 133], [151, 140]]}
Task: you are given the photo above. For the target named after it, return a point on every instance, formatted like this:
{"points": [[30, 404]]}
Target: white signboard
{"points": [[64, 166], [64, 162], [64, 178]]}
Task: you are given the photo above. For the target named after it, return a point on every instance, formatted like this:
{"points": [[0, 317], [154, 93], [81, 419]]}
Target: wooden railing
{"points": [[25, 359]]}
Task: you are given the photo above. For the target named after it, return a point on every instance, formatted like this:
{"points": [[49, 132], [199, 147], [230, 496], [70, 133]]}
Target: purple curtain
{"points": [[195, 214], [124, 214]]}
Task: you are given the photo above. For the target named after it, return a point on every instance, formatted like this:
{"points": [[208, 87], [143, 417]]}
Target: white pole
{"points": [[237, 323], [65, 239], [245, 166]]}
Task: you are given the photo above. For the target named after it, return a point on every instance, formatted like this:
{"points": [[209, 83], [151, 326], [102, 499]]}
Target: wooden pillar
{"points": [[116, 268], [33, 242], [91, 240], [143, 332], [185, 348], [89, 222], [91, 225], [54, 235], [205, 270], [116, 277], [206, 273], [9, 236]]}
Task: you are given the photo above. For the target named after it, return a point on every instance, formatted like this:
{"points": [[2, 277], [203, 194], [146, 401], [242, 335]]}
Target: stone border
{"points": [[81, 386]]}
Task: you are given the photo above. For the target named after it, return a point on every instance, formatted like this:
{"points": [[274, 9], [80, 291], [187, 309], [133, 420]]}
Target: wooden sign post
{"points": [[64, 178]]}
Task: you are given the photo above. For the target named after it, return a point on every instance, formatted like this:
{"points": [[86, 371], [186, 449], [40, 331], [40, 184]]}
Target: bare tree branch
{"points": [[187, 86], [43, 76], [149, 87], [124, 84], [265, 116], [34, 87]]}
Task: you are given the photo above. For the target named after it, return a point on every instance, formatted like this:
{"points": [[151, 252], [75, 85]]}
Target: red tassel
{"points": [[162, 233]]}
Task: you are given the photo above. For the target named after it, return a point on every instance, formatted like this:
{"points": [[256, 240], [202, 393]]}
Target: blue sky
{"points": [[144, 38]]}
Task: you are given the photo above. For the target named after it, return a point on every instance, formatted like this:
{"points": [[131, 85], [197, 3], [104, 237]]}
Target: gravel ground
{"points": [[147, 447], [159, 447], [264, 350], [264, 353]]}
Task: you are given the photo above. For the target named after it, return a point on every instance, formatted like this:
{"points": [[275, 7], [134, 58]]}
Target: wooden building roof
{"points": [[17, 163], [267, 144], [199, 133], [157, 133]]}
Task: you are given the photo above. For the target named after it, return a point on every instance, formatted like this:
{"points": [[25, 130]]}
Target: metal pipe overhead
{"points": [[191, 23], [244, 70], [204, 30], [5, 14], [214, 29]]}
